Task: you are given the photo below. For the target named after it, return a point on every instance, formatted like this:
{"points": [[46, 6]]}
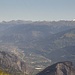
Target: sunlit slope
{"points": [[3, 73], [10, 63], [60, 46]]}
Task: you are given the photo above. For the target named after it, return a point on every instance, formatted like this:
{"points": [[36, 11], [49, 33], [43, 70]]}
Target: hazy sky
{"points": [[37, 10]]}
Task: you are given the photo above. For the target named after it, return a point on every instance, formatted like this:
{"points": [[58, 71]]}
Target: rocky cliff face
{"points": [[10, 63], [60, 68]]}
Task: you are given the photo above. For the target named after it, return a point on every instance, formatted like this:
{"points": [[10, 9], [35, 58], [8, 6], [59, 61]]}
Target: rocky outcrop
{"points": [[10, 63], [60, 68]]}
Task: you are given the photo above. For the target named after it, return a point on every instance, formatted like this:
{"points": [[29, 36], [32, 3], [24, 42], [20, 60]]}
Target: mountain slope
{"points": [[60, 68], [60, 46], [4, 73], [45, 41], [10, 63]]}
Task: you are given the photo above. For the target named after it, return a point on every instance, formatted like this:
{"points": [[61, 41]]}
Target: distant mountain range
{"points": [[39, 43]]}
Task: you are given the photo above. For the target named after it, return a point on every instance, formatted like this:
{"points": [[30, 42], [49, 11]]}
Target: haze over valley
{"points": [[37, 44]]}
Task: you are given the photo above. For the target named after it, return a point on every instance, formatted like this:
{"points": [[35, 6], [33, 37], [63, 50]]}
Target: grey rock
{"points": [[10, 63], [60, 68]]}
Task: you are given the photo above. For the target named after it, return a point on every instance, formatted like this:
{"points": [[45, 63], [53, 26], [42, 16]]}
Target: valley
{"points": [[38, 44]]}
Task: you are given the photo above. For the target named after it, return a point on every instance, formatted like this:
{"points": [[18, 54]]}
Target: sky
{"points": [[37, 10]]}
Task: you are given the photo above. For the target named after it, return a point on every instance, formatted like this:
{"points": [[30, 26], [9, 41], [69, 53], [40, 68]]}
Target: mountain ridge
{"points": [[60, 68]]}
